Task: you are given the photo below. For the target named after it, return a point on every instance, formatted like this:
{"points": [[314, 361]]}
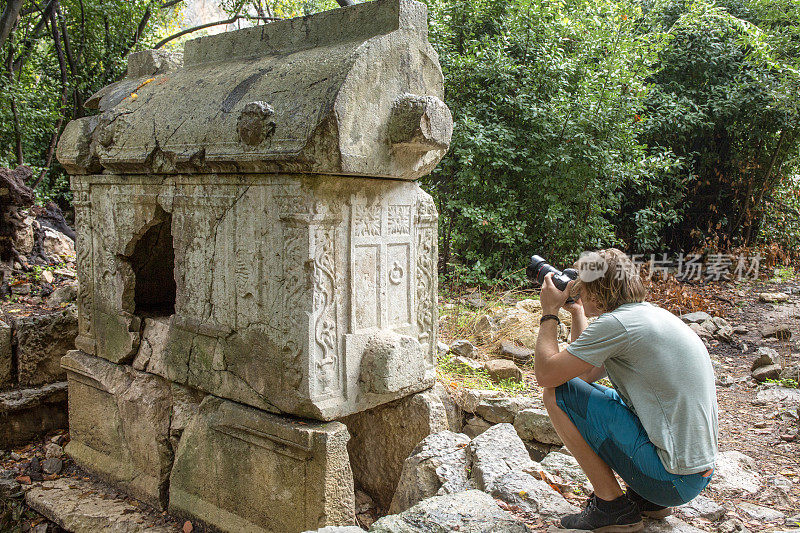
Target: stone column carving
{"points": [[83, 245]]}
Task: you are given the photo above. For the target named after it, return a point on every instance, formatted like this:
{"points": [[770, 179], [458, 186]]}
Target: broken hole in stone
{"points": [[153, 264]]}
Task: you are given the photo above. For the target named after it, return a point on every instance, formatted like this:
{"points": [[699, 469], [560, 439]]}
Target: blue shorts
{"points": [[615, 433]]}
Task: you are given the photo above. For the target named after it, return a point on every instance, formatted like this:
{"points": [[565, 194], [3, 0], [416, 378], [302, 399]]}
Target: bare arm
{"points": [[579, 324]]}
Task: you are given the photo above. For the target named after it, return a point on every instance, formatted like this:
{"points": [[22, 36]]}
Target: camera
{"points": [[539, 268]]}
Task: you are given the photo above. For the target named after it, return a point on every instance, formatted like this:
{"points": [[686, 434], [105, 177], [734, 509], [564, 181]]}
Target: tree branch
{"points": [[230, 20], [64, 92], [9, 19], [17, 130], [345, 3], [28, 45]]}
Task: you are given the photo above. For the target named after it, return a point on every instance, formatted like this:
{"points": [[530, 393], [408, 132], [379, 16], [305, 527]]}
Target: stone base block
{"points": [[26, 414], [383, 437], [120, 425], [241, 469]]}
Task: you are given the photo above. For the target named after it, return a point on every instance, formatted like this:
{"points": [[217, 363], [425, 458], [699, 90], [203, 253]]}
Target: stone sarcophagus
{"points": [[248, 223], [253, 250]]}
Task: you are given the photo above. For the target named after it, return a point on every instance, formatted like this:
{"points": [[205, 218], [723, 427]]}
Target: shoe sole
{"points": [[627, 528], [658, 515]]}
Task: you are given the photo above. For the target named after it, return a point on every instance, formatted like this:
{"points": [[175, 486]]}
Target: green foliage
{"points": [[547, 98], [784, 382], [724, 99]]}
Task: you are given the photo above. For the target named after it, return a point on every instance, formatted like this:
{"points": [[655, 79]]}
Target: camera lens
{"points": [[538, 269]]}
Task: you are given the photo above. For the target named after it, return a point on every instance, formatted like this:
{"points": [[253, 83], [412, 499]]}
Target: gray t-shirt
{"points": [[663, 372]]}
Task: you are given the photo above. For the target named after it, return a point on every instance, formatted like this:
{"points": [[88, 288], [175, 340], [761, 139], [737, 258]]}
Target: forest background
{"points": [[655, 126]]}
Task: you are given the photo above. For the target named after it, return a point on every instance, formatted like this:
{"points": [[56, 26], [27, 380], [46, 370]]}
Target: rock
{"points": [[53, 465], [502, 370], [721, 323], [702, 507], [56, 244], [392, 363], [471, 511], [442, 348], [486, 329], [469, 399], [9, 488], [474, 426], [6, 355], [437, 466], [463, 347], [499, 410], [455, 416], [778, 331], [518, 354], [791, 372], [696, 317], [710, 326], [495, 452], [535, 424], [530, 305], [701, 332], [29, 413], [67, 293], [741, 330], [283, 458], [764, 373], [760, 513], [531, 495], [793, 520], [670, 524], [52, 449], [337, 529], [476, 302], [151, 356], [735, 472], [41, 343], [771, 393], [765, 357], [725, 333], [773, 297], [119, 425], [567, 468], [469, 363], [21, 289], [383, 437], [732, 525], [81, 507]]}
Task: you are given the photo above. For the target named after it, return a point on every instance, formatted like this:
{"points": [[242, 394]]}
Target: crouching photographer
{"points": [[657, 426]]}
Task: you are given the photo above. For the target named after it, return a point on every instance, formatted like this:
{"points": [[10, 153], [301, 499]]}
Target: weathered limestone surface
{"points": [[119, 422], [331, 282], [382, 438], [81, 507], [31, 412], [241, 469], [5, 355], [244, 113], [42, 341]]}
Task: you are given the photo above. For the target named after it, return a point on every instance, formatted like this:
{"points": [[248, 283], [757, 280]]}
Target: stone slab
{"points": [[81, 506], [240, 469], [42, 340], [6, 355], [382, 439], [119, 422], [29, 413]]}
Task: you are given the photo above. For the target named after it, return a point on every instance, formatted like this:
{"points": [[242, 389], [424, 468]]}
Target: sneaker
{"points": [[646, 507], [618, 516]]}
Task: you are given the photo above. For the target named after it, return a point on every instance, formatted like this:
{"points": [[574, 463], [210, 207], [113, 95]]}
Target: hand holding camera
{"points": [[556, 286]]}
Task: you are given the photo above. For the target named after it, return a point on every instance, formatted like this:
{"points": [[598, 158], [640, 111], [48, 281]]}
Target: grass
{"points": [[783, 274], [785, 382], [455, 374]]}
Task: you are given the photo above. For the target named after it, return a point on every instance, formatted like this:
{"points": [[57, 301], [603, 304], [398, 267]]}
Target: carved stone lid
{"points": [[353, 91]]}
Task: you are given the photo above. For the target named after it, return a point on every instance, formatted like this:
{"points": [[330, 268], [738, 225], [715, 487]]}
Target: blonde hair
{"points": [[620, 283]]}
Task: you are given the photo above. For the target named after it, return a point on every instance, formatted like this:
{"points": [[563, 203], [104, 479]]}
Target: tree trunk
{"points": [[9, 19]]}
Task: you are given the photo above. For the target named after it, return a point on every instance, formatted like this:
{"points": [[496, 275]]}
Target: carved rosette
{"points": [[427, 279], [85, 268]]}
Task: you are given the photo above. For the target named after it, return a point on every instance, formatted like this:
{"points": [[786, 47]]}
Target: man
{"points": [[657, 428]]}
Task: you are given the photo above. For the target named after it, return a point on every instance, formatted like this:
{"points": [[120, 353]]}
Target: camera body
{"points": [[539, 268]]}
